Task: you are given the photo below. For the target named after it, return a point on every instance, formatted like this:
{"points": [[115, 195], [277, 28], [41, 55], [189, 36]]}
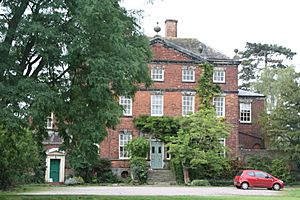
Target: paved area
{"points": [[153, 191]]}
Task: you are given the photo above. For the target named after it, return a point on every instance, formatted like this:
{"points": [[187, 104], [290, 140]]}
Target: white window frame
{"points": [[223, 142], [184, 111], [156, 105], [157, 71], [124, 137], [126, 103], [219, 76], [217, 106], [188, 72], [243, 110], [50, 121]]}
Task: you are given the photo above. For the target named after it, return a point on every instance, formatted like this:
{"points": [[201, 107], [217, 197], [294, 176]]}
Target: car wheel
{"points": [[245, 186], [276, 186]]}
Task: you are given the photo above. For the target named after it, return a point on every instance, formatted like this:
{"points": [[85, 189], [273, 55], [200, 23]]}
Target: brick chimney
{"points": [[171, 28]]}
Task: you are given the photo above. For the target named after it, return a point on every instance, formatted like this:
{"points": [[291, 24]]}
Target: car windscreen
{"points": [[239, 173]]}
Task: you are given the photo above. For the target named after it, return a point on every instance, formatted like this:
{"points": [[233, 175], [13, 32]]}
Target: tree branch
{"points": [[39, 68]]}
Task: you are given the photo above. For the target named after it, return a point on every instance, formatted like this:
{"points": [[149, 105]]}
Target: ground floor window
{"points": [[124, 137]]}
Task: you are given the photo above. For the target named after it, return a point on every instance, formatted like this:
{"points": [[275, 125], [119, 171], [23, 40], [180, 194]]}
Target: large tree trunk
{"points": [[186, 175]]}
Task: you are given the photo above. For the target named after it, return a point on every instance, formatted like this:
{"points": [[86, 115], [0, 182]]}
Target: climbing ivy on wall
{"points": [[158, 127], [206, 89]]}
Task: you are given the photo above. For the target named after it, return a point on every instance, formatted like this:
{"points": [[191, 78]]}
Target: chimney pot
{"points": [[171, 28]]}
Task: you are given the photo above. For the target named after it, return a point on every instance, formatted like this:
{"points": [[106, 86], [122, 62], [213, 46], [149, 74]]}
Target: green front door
{"points": [[54, 169], [156, 153]]}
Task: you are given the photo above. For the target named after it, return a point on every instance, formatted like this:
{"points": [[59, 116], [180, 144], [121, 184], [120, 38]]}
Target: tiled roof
{"points": [[194, 46], [245, 93]]}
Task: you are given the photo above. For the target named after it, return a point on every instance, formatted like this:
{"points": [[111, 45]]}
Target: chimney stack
{"points": [[171, 28]]}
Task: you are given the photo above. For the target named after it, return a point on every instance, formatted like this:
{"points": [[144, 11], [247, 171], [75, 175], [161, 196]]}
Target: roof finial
{"points": [[157, 29], [236, 56]]}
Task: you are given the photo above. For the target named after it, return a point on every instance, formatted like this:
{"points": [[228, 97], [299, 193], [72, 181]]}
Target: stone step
{"points": [[161, 176]]}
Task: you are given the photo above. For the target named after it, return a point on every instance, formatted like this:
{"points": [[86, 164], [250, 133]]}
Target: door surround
{"points": [[54, 153]]}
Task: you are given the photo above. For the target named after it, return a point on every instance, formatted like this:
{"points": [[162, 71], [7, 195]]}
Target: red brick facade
{"points": [[172, 59]]}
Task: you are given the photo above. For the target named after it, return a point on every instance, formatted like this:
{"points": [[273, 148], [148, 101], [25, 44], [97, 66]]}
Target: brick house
{"points": [[175, 72]]}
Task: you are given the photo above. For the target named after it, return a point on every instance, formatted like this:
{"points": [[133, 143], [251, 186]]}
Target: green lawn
{"points": [[287, 194]]}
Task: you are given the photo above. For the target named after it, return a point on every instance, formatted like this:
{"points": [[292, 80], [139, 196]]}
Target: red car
{"points": [[256, 178]]}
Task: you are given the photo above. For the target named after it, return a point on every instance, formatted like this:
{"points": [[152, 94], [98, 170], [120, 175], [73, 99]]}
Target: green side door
{"points": [[54, 169]]}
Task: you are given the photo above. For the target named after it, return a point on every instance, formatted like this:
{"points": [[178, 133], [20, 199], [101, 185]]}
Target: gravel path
{"points": [[153, 191]]}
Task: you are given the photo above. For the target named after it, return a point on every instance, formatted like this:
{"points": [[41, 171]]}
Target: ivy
{"points": [[158, 127], [206, 89]]}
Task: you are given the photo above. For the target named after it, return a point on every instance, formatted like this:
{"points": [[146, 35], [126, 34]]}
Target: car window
{"points": [[260, 174], [250, 173], [239, 173]]}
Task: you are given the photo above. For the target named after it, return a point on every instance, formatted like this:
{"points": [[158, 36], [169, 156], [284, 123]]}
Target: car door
{"points": [[263, 180]]}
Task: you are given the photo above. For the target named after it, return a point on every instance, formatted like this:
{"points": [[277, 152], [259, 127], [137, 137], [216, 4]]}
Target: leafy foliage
{"points": [[18, 158], [138, 147], [139, 169], [197, 142], [258, 56], [206, 89], [282, 124], [277, 167], [158, 127], [73, 58]]}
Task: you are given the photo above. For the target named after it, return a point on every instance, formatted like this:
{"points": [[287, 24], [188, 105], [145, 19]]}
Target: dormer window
{"points": [[219, 75], [188, 74], [157, 73]]}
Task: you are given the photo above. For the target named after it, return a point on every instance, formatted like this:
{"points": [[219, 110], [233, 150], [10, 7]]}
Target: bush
{"points": [[139, 169], [74, 181], [177, 170], [202, 182], [138, 147], [18, 158], [280, 169], [259, 163], [220, 182], [103, 173]]}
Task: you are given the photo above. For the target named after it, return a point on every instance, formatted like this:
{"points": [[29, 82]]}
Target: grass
{"points": [[287, 194]]}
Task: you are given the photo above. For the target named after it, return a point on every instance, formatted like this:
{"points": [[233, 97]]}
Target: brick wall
{"points": [[172, 88], [250, 133]]}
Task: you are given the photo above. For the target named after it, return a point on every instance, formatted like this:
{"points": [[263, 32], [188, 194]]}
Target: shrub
{"points": [[139, 169], [259, 163], [202, 182], [74, 180], [177, 171], [138, 147], [19, 156], [220, 182], [103, 173], [280, 169]]}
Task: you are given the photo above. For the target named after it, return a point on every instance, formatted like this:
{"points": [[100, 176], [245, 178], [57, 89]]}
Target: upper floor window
{"points": [[219, 76], [188, 74], [157, 105], [126, 102], [124, 137], [157, 73], [50, 121], [219, 103], [245, 112], [188, 105]]}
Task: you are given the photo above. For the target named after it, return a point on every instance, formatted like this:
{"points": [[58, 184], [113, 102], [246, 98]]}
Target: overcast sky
{"points": [[227, 24]]}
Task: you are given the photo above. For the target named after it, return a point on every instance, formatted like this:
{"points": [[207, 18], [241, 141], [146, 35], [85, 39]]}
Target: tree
{"points": [[73, 58], [198, 139], [18, 158], [272, 82], [282, 125], [258, 56]]}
